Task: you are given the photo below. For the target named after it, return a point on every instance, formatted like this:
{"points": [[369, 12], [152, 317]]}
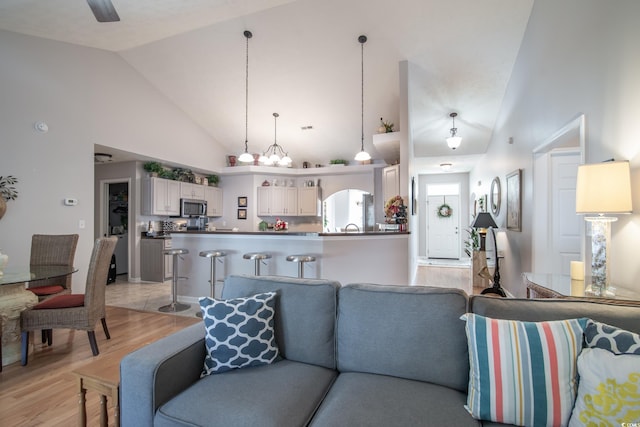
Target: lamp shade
{"points": [[604, 188], [484, 220]]}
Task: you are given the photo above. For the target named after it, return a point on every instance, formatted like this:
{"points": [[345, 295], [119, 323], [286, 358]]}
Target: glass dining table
{"points": [[15, 298]]}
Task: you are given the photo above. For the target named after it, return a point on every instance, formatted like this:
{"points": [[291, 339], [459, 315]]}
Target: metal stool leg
{"points": [[301, 270], [175, 305], [257, 270]]}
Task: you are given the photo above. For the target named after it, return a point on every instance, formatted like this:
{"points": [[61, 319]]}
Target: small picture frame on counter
{"points": [[242, 214], [242, 202]]}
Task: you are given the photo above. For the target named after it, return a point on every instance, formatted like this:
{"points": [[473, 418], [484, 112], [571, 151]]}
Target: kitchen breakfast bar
{"points": [[364, 257]]}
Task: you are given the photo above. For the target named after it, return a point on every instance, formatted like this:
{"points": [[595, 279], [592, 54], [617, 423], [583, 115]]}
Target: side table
{"points": [[102, 376]]}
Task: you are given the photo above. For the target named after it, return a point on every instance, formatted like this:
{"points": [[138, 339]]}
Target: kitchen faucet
{"points": [[346, 228]]}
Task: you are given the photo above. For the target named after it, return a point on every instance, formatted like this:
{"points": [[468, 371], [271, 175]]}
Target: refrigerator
{"points": [[368, 213]]}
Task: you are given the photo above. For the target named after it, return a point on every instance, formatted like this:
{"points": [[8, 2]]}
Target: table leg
{"points": [[82, 409], [104, 417]]}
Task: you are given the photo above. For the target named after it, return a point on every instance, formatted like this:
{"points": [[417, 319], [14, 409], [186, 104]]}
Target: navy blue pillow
{"points": [[607, 337], [238, 332]]}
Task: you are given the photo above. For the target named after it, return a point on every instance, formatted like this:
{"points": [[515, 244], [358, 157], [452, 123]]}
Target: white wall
{"points": [[86, 96], [577, 56]]}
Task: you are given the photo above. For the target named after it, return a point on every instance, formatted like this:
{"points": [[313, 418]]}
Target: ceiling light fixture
{"points": [[446, 166], [246, 157], [362, 156], [274, 155], [454, 141], [102, 157]]}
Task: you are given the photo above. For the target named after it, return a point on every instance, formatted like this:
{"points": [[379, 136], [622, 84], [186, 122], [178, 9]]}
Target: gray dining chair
{"points": [[74, 311], [52, 249]]}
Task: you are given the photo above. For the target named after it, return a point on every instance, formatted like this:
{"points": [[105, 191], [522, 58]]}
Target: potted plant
{"points": [[167, 174], [338, 162], [213, 180], [154, 168], [7, 192]]}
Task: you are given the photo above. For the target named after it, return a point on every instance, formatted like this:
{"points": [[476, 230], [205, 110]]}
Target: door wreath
{"points": [[444, 211]]}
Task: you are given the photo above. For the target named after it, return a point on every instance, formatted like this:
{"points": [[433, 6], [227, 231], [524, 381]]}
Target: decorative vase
{"points": [[3, 206], [232, 160]]}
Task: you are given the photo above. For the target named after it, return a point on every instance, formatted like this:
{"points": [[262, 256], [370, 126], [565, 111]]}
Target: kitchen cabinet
{"points": [[309, 201], [213, 197], [192, 191], [390, 182], [277, 201], [160, 197], [155, 266]]}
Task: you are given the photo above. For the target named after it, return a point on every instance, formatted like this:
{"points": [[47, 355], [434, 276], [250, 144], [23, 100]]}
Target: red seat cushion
{"points": [[46, 290], [61, 301]]}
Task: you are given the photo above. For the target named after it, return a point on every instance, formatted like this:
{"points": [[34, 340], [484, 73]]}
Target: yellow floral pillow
{"points": [[609, 389]]}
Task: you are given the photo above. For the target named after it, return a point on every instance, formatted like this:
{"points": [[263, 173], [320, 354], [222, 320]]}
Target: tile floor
{"points": [[142, 296]]}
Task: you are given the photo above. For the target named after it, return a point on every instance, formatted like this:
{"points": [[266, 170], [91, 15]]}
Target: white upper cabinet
{"points": [[213, 197], [191, 191], [390, 182], [160, 197], [309, 201]]}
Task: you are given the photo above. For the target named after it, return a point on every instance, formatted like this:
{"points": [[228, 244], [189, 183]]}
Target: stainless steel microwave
{"points": [[191, 207]]}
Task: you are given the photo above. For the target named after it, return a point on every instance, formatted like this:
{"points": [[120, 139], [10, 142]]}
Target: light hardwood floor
{"points": [[43, 393]]}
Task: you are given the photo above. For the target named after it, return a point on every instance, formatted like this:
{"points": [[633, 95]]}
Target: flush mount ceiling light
{"points": [[274, 155], [102, 157], [245, 157], [362, 155], [445, 166], [454, 141]]}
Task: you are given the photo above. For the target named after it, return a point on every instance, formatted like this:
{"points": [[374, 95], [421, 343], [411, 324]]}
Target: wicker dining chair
{"points": [[52, 249], [74, 311]]}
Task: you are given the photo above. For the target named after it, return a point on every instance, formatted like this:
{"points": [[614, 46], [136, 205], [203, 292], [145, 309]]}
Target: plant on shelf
{"points": [[213, 180], [339, 162], [385, 127], [167, 174], [154, 168], [184, 175]]}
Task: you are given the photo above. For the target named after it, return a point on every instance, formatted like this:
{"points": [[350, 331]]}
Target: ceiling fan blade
{"points": [[103, 10]]}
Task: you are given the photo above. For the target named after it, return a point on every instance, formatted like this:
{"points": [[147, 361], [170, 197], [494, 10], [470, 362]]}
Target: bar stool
{"points": [[257, 257], [301, 259], [175, 305], [213, 254]]}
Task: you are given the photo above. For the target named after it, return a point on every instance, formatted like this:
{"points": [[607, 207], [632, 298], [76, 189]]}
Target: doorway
{"points": [[116, 221], [559, 236], [443, 221]]}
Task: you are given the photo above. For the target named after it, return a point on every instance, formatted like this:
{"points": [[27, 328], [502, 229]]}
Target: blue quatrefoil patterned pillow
{"points": [[238, 332], [607, 337]]}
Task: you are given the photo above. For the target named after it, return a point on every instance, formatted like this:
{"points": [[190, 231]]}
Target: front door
{"points": [[443, 230]]}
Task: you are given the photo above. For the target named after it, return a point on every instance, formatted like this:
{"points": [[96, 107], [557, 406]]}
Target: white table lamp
{"points": [[602, 189]]}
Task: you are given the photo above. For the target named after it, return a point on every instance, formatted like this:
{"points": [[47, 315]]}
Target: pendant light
{"points": [[454, 141], [362, 155], [246, 157], [275, 155]]}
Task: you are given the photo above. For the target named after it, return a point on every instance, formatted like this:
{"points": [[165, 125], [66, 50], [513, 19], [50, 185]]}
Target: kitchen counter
{"points": [[294, 233], [367, 257]]}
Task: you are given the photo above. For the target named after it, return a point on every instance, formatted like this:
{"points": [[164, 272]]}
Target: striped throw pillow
{"points": [[523, 373]]}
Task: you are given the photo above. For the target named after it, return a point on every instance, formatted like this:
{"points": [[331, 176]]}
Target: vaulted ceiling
{"points": [[304, 63]]}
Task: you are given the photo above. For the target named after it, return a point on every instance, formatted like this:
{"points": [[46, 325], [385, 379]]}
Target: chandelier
{"points": [[362, 155], [454, 141], [275, 155], [245, 156]]}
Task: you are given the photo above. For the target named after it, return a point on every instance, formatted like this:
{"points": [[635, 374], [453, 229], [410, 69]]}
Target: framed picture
{"points": [[242, 202], [242, 214], [514, 200]]}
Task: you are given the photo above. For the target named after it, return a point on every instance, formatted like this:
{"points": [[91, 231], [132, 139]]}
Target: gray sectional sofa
{"points": [[354, 355]]}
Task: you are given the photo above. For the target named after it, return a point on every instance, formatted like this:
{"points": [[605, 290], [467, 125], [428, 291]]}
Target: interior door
{"points": [[443, 232], [565, 227]]}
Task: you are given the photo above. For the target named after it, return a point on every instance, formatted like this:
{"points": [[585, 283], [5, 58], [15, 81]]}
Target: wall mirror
{"points": [[495, 196]]}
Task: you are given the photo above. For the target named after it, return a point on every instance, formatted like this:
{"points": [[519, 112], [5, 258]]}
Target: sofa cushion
{"points": [[524, 373], [238, 332], [305, 314], [536, 310], [359, 399], [282, 394], [412, 332]]}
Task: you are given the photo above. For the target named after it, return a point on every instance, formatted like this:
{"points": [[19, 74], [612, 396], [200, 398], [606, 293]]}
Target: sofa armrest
{"points": [[152, 375]]}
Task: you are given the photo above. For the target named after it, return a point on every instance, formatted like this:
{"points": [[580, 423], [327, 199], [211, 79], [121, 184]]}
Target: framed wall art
{"points": [[514, 200], [242, 201], [242, 214]]}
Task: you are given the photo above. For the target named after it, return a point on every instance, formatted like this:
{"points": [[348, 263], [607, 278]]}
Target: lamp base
{"points": [[600, 238]]}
